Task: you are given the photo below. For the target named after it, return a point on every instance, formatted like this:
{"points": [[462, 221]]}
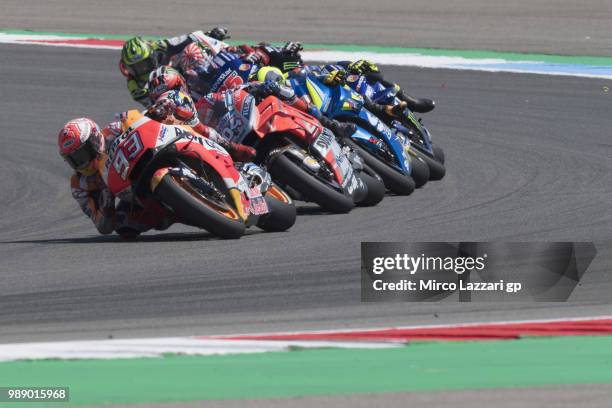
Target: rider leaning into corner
{"points": [[168, 87], [373, 74], [83, 146], [139, 57], [199, 66]]}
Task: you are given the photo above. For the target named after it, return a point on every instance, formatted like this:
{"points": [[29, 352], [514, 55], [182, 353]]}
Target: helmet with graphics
{"points": [[137, 58], [80, 143]]}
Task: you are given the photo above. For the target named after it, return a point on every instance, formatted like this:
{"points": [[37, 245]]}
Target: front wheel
{"points": [[394, 180], [438, 153], [282, 213], [375, 185], [193, 207], [419, 170], [437, 170], [287, 172]]}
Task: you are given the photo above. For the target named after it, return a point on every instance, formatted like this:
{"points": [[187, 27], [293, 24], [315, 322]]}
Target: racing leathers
{"points": [[99, 204], [163, 51], [176, 107], [203, 77], [347, 71]]}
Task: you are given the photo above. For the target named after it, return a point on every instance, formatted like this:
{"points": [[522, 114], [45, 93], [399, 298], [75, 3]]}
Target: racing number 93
{"points": [[127, 150]]}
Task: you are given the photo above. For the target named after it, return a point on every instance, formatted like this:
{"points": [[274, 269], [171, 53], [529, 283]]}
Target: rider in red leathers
{"points": [[176, 107], [211, 107], [82, 145]]}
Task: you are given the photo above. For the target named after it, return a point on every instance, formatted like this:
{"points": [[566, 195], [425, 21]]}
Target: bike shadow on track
{"points": [[311, 210], [153, 238], [112, 239]]}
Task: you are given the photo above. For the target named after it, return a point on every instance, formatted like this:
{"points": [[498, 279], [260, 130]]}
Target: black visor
{"points": [[80, 159], [143, 67]]}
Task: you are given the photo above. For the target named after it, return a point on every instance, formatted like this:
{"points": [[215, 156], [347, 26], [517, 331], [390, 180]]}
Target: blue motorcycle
{"points": [[225, 71], [387, 151], [409, 125]]}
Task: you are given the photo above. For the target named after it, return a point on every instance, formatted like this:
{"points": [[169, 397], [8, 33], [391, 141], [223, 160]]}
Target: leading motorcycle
{"points": [[193, 177]]}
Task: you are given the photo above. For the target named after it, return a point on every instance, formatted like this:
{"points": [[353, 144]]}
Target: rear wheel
{"points": [[287, 172], [193, 207], [282, 213], [394, 180]]}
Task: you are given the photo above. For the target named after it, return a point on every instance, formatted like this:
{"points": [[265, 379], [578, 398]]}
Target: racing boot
{"points": [[385, 111], [420, 105], [340, 129]]}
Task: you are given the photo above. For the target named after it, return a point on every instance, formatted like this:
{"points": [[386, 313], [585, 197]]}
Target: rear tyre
{"points": [[282, 213], [288, 172], [194, 209], [395, 181]]}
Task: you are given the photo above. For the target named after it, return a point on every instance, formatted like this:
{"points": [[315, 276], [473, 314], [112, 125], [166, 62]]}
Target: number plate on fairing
{"points": [[257, 201]]}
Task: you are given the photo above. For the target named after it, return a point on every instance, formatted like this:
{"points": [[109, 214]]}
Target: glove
{"points": [[258, 56], [218, 33], [271, 88], [159, 45], [161, 109], [335, 78], [241, 153], [360, 67], [292, 47], [253, 58]]}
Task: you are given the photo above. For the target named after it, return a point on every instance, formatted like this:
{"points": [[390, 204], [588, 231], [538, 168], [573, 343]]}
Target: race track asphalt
{"points": [[529, 158], [542, 26]]}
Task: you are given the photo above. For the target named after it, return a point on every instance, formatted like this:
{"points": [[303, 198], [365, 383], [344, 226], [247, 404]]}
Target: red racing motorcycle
{"points": [[195, 178], [300, 154]]}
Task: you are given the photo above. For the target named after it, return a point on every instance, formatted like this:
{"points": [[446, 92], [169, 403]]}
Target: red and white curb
{"points": [[401, 59], [374, 338], [60, 41], [509, 330]]}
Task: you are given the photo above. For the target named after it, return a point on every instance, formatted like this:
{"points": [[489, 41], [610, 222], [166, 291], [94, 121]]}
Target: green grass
{"points": [[421, 366]]}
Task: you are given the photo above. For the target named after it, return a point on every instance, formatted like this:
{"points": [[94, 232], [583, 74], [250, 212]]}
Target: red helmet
{"points": [[80, 143], [193, 55], [183, 107], [164, 79]]}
